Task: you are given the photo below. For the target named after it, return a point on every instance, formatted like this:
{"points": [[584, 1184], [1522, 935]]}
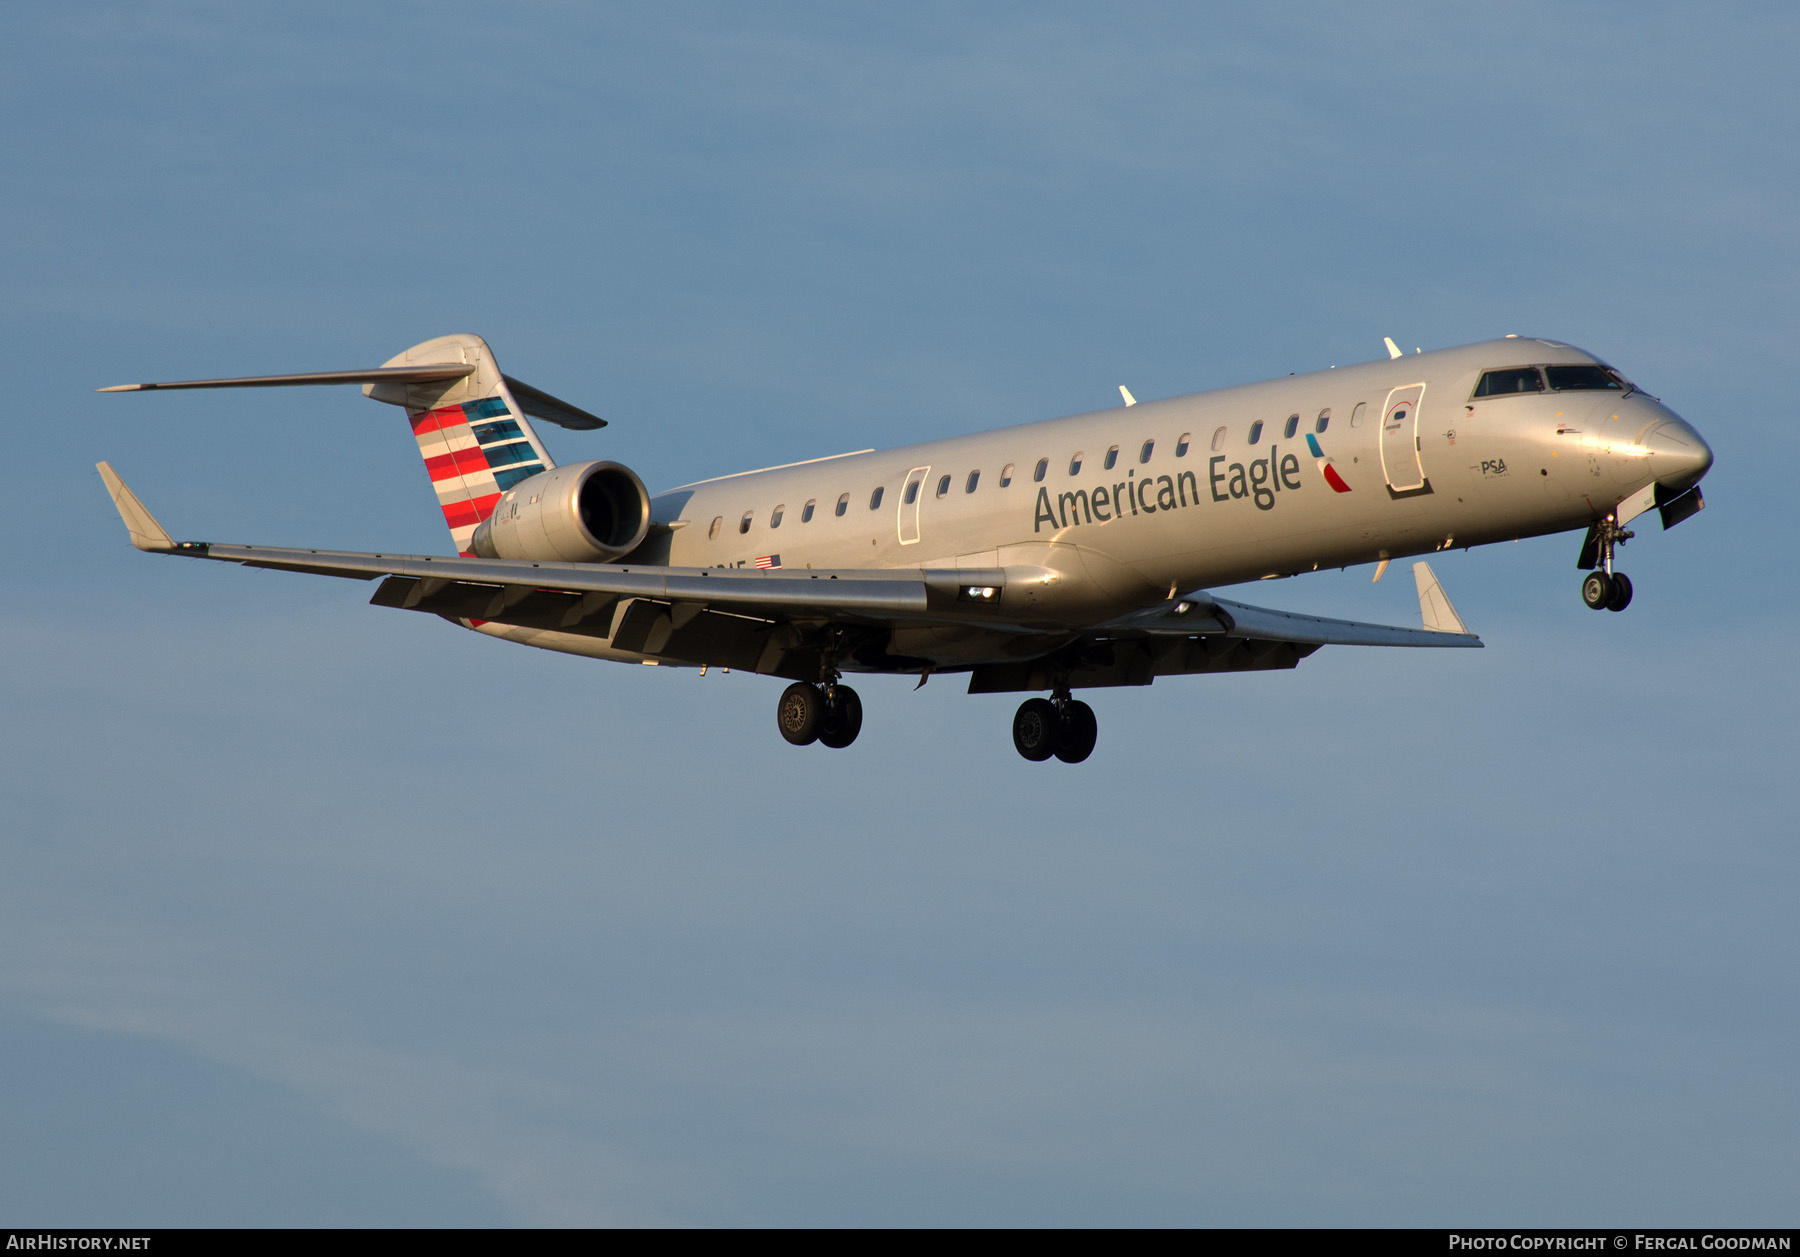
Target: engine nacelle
{"points": [[579, 513]]}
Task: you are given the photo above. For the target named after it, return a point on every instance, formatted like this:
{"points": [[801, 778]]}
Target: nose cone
{"points": [[1678, 455]]}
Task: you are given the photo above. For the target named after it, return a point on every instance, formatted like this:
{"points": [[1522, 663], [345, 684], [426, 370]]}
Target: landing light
{"points": [[979, 593]]}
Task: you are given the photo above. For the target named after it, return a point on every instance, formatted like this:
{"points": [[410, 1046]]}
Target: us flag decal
{"points": [[768, 560]]}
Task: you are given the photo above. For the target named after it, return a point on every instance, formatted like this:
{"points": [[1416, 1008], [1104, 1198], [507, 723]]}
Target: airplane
{"points": [[1042, 558]]}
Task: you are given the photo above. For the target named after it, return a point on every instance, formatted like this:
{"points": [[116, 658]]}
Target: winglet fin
{"points": [[146, 533], [1434, 604]]}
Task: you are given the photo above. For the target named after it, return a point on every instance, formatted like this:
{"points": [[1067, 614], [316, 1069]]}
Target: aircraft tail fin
{"points": [[472, 431]]}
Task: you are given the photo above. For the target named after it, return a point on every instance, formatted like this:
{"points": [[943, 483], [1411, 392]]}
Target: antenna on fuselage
{"points": [[1392, 348], [1126, 394]]}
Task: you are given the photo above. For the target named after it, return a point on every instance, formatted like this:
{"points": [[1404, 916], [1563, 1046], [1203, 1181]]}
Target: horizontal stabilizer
{"points": [[421, 374], [540, 405], [146, 533], [533, 401]]}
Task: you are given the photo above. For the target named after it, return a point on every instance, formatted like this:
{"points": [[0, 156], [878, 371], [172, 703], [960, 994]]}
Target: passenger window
{"points": [[1356, 416], [1112, 457], [843, 503], [807, 510], [712, 534], [744, 523], [974, 477], [1512, 380], [912, 492], [1256, 432], [1293, 426], [1043, 469], [1075, 465], [1323, 421], [1218, 440], [875, 498], [1144, 454], [775, 515], [1181, 446], [943, 486], [1006, 475]]}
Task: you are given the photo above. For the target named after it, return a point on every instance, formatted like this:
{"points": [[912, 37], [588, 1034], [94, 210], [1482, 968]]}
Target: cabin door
{"points": [[1400, 439], [910, 493]]}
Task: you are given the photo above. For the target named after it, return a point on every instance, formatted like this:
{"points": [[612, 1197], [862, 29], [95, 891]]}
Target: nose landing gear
{"points": [[1604, 589], [1604, 592], [1063, 727]]}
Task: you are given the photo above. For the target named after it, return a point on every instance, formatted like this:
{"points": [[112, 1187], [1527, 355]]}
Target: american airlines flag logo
{"points": [[768, 560]]}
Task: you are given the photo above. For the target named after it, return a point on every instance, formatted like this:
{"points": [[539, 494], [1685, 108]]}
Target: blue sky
{"points": [[315, 912]]}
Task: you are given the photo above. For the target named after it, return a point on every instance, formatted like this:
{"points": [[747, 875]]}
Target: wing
{"points": [[778, 621], [728, 616], [1201, 612]]}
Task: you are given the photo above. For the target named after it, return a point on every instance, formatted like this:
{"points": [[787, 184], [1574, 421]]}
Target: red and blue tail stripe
{"points": [[474, 452]]}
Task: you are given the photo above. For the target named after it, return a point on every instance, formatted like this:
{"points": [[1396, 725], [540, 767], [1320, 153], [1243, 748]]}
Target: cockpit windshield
{"points": [[1584, 376], [1579, 377], [1511, 380]]}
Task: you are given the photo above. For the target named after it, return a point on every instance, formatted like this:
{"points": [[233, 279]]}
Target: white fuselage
{"points": [[1197, 495]]}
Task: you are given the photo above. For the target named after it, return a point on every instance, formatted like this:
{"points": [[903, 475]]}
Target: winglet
{"points": [[146, 533], [1392, 348], [1126, 394], [1434, 604]]}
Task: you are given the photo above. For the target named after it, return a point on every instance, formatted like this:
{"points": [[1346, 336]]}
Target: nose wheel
{"points": [[1604, 589], [828, 714], [1063, 727]]}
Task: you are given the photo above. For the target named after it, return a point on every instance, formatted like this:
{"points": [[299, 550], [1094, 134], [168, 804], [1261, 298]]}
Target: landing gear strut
{"points": [[1062, 726], [1603, 588], [828, 713]]}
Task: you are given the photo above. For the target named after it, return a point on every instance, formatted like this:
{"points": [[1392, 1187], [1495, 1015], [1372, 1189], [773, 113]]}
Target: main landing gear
{"points": [[830, 714], [1063, 727], [1604, 589]]}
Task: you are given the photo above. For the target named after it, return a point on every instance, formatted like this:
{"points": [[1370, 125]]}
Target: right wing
{"points": [[1201, 612]]}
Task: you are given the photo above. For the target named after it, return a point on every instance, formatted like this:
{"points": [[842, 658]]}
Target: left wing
{"points": [[775, 620], [497, 589]]}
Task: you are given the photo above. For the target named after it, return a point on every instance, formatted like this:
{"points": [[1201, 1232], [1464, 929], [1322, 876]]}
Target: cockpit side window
{"points": [[1582, 376], [1511, 380]]}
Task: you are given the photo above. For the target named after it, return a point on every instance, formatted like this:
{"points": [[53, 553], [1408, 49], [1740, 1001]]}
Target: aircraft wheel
{"points": [[1078, 733], [1596, 589], [1035, 729], [800, 713], [843, 717], [1621, 592]]}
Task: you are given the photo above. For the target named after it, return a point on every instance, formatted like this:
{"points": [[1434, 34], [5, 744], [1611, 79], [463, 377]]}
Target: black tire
{"points": [[1035, 729], [1078, 733], [843, 717], [800, 713], [1621, 594], [1596, 589]]}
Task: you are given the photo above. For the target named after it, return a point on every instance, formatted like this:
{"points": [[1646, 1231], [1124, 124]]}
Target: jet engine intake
{"points": [[578, 513]]}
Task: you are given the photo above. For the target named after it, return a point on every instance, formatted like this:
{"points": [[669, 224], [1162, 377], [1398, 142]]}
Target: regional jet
{"points": [[1043, 558]]}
